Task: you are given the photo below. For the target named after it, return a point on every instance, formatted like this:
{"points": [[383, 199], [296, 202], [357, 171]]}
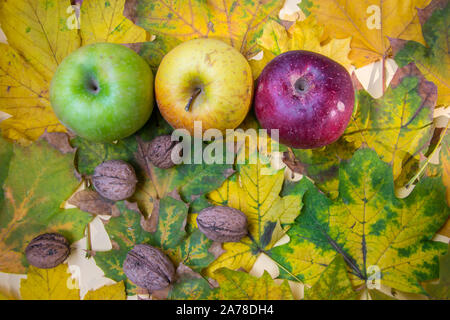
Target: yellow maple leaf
{"points": [[24, 95], [112, 292], [57, 284], [369, 23], [38, 30], [103, 21], [49, 284], [304, 35]]}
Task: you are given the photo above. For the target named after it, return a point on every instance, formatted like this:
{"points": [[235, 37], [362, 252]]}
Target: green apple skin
{"points": [[221, 73], [103, 92]]}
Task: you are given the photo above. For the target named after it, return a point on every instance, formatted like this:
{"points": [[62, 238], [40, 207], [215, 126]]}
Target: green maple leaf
{"points": [[432, 60], [39, 179], [369, 227], [399, 122], [170, 235], [333, 284]]}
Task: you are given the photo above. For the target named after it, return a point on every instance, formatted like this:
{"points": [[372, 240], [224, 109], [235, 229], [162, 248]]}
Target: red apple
{"points": [[307, 96]]}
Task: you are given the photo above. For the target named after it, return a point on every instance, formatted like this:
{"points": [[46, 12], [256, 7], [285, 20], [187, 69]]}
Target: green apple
{"points": [[103, 92], [204, 80]]}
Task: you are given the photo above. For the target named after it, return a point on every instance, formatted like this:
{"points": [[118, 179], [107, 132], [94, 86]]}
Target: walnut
{"points": [[223, 224], [47, 250], [148, 267], [114, 180], [159, 151]]}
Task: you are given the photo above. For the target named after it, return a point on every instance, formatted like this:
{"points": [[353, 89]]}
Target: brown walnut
{"points": [[223, 224], [47, 250], [114, 180], [148, 267], [159, 151]]}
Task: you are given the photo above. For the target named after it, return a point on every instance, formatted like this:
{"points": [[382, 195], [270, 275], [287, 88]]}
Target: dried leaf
{"points": [[90, 201], [59, 141]]}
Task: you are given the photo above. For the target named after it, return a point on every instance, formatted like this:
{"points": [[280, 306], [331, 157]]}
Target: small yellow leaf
{"points": [[103, 21], [40, 31], [49, 284], [112, 292]]}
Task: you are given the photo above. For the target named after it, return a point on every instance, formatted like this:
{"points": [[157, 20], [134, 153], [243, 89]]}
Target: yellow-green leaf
{"points": [[399, 122], [238, 285], [236, 22], [112, 292], [39, 179], [377, 234], [103, 21], [49, 284], [333, 284], [369, 23], [304, 35]]}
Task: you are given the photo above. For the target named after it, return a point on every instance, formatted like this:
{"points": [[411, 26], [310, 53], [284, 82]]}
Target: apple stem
{"points": [[191, 99]]}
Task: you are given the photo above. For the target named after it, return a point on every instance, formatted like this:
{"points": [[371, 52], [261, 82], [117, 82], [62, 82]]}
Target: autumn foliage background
{"points": [[324, 223]]}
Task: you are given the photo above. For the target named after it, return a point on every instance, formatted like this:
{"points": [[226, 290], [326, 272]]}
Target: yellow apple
{"points": [[204, 80]]}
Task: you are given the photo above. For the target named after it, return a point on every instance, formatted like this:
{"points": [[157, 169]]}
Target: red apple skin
{"points": [[310, 118]]}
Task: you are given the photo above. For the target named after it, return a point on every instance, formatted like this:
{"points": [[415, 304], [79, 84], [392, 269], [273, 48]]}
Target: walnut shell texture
{"points": [[114, 180], [47, 250], [223, 224], [159, 151], [148, 267]]}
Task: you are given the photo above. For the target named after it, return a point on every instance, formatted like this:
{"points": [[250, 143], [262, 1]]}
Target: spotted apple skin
{"points": [[307, 96]]}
